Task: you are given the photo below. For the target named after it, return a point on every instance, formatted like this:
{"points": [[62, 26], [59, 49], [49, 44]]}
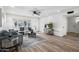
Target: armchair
{"points": [[31, 32]]}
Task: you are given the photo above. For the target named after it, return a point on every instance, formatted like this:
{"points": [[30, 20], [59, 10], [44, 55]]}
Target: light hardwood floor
{"points": [[55, 44]]}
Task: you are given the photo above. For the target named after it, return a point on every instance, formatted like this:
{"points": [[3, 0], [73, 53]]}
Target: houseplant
{"points": [[50, 28], [50, 25]]}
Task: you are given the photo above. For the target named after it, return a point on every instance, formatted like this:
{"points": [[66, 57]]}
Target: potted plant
{"points": [[50, 28], [50, 25]]}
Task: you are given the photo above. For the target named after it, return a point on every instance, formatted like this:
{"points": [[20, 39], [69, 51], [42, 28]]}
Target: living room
{"points": [[37, 28]]}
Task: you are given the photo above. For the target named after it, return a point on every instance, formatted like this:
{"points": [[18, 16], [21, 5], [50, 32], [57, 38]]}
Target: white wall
{"points": [[3, 18], [59, 21], [60, 25]]}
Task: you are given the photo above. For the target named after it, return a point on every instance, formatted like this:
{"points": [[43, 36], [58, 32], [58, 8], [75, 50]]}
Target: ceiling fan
{"points": [[36, 11]]}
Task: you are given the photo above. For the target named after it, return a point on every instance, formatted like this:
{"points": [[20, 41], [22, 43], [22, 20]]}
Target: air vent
{"points": [[70, 12]]}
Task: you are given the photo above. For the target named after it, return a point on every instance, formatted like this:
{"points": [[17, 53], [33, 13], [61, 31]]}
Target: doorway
{"points": [[73, 26]]}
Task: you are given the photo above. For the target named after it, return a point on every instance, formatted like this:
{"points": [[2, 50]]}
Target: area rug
{"points": [[30, 41]]}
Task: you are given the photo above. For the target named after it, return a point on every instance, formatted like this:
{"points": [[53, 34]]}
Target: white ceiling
{"points": [[45, 10], [53, 8]]}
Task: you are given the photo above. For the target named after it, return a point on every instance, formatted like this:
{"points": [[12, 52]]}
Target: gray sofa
{"points": [[10, 40]]}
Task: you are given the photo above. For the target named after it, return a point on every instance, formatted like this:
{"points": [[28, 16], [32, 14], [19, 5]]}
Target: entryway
{"points": [[73, 26]]}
